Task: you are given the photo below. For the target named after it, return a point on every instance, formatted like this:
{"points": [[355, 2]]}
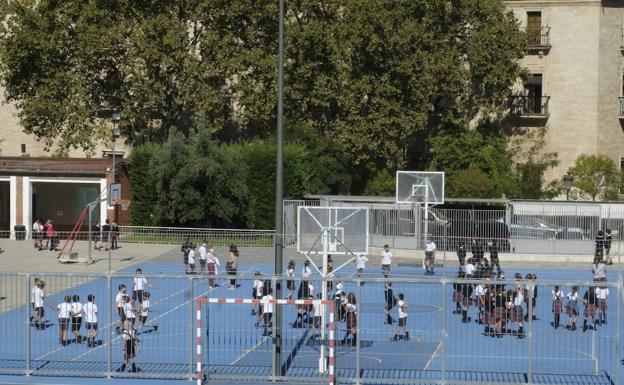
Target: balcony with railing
{"points": [[621, 107], [529, 106], [538, 39]]}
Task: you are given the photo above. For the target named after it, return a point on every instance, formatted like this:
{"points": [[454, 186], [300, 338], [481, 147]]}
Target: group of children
{"points": [[498, 305], [71, 313], [44, 231]]}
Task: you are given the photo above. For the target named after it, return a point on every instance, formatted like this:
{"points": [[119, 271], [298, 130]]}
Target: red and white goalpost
{"points": [[330, 341]]}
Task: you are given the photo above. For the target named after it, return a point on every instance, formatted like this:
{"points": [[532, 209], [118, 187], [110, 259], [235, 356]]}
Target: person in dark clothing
{"points": [[106, 232], [607, 247], [461, 257], [186, 247], [600, 243], [477, 250], [494, 257], [589, 299], [114, 235], [466, 291], [390, 302]]}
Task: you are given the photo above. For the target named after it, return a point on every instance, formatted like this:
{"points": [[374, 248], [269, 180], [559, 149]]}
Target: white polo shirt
{"points": [[306, 272], [469, 268], [90, 310], [76, 308], [402, 309], [127, 308], [258, 287], [145, 307], [203, 253], [191, 257], [64, 310], [602, 293], [267, 307], [360, 261], [38, 296], [119, 299], [139, 283], [430, 246], [386, 257]]}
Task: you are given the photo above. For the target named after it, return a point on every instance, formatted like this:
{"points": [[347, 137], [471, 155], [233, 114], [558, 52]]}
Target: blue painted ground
{"points": [[234, 346]]}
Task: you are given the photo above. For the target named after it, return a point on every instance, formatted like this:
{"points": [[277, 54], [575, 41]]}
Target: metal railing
{"points": [[529, 105], [452, 338], [538, 37]]}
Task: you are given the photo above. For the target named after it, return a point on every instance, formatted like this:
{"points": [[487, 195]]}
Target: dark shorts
{"points": [[92, 326], [186, 259], [130, 350], [76, 323], [137, 295], [267, 317], [202, 263], [64, 323], [429, 255], [39, 311], [403, 321], [291, 285], [385, 268]]}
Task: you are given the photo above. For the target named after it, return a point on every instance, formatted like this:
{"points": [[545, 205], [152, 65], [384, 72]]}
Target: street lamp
{"points": [[567, 184], [115, 134]]}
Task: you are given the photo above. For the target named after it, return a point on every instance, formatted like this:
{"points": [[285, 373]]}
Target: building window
{"points": [[23, 148], [622, 174], [533, 94], [534, 27]]}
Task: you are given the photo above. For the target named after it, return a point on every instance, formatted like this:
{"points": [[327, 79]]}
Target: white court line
{"points": [[435, 353], [109, 326], [250, 350]]}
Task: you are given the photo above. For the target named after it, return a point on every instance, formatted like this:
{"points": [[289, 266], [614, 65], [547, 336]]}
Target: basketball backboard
{"points": [[333, 230], [418, 186]]}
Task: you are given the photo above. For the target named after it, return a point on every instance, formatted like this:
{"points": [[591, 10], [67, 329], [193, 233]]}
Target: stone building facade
{"points": [[575, 57]]}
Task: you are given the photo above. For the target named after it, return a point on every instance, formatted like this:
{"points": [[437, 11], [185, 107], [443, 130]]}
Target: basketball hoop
{"points": [[124, 203]]}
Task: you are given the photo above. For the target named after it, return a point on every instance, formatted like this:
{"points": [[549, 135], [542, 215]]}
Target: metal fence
{"points": [[445, 345], [522, 227]]}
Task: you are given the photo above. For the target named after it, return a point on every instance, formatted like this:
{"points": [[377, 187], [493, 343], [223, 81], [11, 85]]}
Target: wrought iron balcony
{"points": [[529, 106], [538, 39], [622, 108]]}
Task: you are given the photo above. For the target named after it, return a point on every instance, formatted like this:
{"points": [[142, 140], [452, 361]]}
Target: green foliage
{"points": [[372, 75], [465, 154], [472, 183], [144, 193], [381, 184], [596, 176]]}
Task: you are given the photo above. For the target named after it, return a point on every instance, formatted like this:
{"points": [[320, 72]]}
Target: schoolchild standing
{"points": [[430, 249], [267, 312], [306, 272], [516, 310], [38, 304], [589, 299], [599, 269], [119, 304], [138, 285], [290, 279], [191, 259], [360, 264], [144, 312], [130, 347], [232, 265], [203, 255], [466, 291], [494, 257], [599, 242], [500, 311], [91, 318], [557, 306], [390, 302], [461, 257], [256, 291], [572, 307], [602, 293], [351, 319], [386, 261], [402, 324], [64, 310], [607, 247], [212, 261], [186, 247], [76, 318]]}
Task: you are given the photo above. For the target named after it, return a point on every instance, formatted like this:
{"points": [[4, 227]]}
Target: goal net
{"points": [[235, 337]]}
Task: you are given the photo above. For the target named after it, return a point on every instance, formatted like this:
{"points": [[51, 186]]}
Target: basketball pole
{"points": [[324, 291], [277, 330]]}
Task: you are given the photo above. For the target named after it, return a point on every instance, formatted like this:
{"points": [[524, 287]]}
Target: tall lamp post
{"points": [[567, 183], [115, 134]]}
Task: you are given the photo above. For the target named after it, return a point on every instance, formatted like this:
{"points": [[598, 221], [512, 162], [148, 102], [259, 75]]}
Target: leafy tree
{"points": [[372, 75], [465, 154], [596, 176], [143, 180]]}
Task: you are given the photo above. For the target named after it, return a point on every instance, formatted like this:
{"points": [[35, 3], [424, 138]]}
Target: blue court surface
{"points": [[234, 348]]}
